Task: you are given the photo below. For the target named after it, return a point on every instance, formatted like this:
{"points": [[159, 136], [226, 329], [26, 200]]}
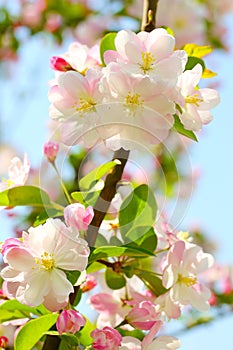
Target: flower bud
{"points": [[106, 339], [76, 215], [69, 321], [3, 342], [60, 64], [89, 284], [51, 149]]}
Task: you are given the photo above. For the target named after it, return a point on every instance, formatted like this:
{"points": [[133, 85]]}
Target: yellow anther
{"points": [[148, 59], [46, 261], [187, 280], [132, 102], [194, 99], [85, 105]]}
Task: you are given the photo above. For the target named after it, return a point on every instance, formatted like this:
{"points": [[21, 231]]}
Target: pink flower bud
{"points": [[106, 339], [3, 342], [69, 321], [51, 149], [60, 64], [89, 284], [144, 316], [77, 216]]}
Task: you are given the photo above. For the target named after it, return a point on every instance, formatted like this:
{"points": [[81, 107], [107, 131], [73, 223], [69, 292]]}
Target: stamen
{"points": [[148, 60], [187, 280], [194, 99]]}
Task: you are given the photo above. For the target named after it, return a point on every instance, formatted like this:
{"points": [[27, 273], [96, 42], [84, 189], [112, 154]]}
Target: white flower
{"points": [[36, 268]]}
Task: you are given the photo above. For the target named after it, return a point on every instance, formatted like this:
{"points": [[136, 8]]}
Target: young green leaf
{"points": [[107, 43], [193, 61], [152, 281], [33, 330], [25, 195], [88, 181], [179, 127], [138, 208], [114, 280]]}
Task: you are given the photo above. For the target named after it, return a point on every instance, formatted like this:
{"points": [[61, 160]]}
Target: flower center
{"points": [[194, 99], [85, 105], [9, 182], [46, 261], [147, 61], [132, 102], [187, 280]]}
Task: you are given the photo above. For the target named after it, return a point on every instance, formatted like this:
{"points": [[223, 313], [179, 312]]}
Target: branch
{"points": [[108, 192], [149, 13]]}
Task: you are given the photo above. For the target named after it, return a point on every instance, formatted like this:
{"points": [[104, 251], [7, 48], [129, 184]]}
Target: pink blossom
{"points": [[78, 216], [143, 316], [51, 149], [150, 54], [18, 172], [188, 24], [106, 339], [88, 284], [195, 103], [35, 271], [60, 64], [75, 104], [183, 263], [112, 310], [160, 343], [3, 342], [70, 321]]}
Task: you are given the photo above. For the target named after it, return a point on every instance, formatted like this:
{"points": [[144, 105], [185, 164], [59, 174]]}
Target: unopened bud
{"points": [[89, 284], [69, 321], [3, 342], [60, 64], [51, 149]]}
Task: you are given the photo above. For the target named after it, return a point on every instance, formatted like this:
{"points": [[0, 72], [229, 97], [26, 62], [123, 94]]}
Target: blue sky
{"points": [[24, 113]]}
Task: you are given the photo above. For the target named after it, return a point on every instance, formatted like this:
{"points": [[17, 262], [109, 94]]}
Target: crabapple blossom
{"points": [[69, 321], [183, 263], [188, 24], [59, 64], [143, 316], [150, 54], [76, 215], [89, 283], [195, 103], [51, 149], [18, 172], [76, 100], [106, 339], [111, 308], [35, 271]]}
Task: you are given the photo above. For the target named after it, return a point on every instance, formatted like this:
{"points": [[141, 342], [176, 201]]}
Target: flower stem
{"points": [[69, 199]]}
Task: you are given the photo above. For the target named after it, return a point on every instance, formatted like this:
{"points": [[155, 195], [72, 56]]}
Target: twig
{"points": [[108, 192], [149, 13]]}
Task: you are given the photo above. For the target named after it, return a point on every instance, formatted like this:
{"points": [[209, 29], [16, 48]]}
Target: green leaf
{"points": [[138, 208], [72, 276], [45, 214], [152, 281], [179, 127], [84, 335], [193, 61], [143, 237], [112, 251], [25, 195], [107, 43], [114, 280], [32, 331], [12, 309], [88, 181]]}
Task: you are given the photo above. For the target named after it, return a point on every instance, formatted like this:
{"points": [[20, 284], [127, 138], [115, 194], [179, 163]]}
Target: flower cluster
{"points": [[133, 99]]}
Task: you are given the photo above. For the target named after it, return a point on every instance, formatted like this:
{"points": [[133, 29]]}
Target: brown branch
{"points": [[149, 13], [52, 341], [108, 192]]}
